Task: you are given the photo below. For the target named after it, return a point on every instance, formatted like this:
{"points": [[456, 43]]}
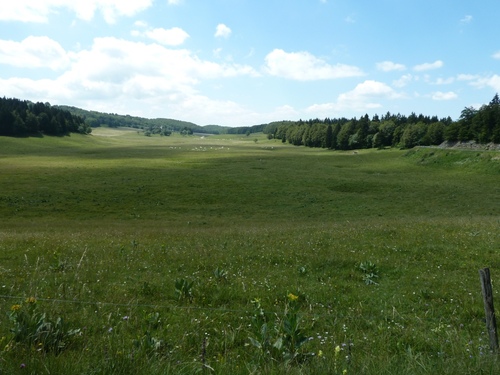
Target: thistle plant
{"points": [[184, 289], [370, 272], [279, 339], [33, 328], [220, 274]]}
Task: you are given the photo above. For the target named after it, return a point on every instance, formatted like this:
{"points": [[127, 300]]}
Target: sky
{"points": [[249, 62]]}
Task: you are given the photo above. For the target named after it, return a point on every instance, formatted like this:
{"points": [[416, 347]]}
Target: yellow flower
{"points": [[337, 350], [292, 297], [320, 353], [344, 372], [31, 300], [15, 307]]}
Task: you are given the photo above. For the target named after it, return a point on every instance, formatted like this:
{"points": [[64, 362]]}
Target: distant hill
{"points": [[113, 120]]}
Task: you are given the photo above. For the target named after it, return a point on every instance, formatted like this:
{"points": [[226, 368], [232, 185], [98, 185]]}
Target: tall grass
{"points": [[101, 230]]}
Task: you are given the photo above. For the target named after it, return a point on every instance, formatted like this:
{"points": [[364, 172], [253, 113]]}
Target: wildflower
{"points": [[320, 353], [292, 297], [337, 350], [31, 300], [22, 365], [344, 372], [15, 307], [125, 317]]}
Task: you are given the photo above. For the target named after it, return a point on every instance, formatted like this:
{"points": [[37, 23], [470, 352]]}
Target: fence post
{"points": [[489, 310]]}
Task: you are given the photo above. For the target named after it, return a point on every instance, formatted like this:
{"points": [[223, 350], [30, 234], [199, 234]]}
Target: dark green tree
{"points": [[329, 137], [346, 131]]}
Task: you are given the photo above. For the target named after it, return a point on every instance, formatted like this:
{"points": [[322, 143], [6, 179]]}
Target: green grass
{"points": [[100, 228]]}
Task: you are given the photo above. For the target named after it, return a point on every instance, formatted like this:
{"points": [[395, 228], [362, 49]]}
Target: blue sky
{"points": [[247, 62]]}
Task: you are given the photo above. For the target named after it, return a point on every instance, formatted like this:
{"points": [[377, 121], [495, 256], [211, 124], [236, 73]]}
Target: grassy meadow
{"points": [[126, 254]]}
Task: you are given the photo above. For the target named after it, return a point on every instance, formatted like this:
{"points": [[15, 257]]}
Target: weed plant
{"points": [[182, 255]]}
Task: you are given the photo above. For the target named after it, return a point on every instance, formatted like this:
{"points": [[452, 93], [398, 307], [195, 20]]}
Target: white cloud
{"points": [[496, 55], [491, 81], [303, 66], [222, 31], [174, 2], [171, 37], [467, 77], [369, 89], [450, 95], [444, 81], [467, 19], [40, 10], [389, 66], [403, 81], [117, 75], [428, 66], [34, 52], [142, 24], [365, 96]]}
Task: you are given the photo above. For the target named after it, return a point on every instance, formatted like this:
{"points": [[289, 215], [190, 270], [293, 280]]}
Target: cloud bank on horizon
{"points": [[245, 62]]}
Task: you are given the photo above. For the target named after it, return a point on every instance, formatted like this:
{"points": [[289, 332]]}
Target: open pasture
{"points": [[238, 255]]}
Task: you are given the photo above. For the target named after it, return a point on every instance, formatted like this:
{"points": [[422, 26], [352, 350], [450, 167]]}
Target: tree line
{"points": [[22, 118], [25, 118], [162, 126], [390, 130]]}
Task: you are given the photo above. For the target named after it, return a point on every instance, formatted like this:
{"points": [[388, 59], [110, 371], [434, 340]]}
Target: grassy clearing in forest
{"points": [[226, 255]]}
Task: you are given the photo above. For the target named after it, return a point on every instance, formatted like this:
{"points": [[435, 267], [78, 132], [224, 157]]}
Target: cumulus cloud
{"points": [[365, 96], [303, 66], [222, 31], [171, 37], [481, 81], [450, 95], [403, 81], [444, 81], [34, 52], [467, 77], [428, 66], [40, 10], [389, 66], [487, 81], [124, 76], [369, 89]]}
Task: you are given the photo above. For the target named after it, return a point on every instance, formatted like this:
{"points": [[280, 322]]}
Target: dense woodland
{"points": [[24, 118], [389, 130]]}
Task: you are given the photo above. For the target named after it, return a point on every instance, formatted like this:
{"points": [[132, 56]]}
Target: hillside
{"points": [[113, 120]]}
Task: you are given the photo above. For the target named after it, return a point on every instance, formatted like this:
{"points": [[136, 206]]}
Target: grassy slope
{"points": [[117, 218]]}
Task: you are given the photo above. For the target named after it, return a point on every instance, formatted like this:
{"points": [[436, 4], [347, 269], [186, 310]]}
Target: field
{"points": [[126, 254]]}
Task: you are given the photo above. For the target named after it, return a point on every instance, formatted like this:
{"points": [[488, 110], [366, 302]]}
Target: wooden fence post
{"points": [[489, 310]]}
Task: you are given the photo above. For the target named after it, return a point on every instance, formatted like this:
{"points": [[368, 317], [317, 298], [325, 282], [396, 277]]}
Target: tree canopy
{"points": [[392, 130], [25, 118]]}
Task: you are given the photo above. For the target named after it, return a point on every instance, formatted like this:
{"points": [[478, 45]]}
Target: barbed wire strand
{"points": [[155, 306]]}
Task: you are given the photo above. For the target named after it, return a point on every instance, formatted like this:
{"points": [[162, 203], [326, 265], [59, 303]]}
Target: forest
{"points": [[25, 118], [162, 126], [481, 125], [22, 118]]}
